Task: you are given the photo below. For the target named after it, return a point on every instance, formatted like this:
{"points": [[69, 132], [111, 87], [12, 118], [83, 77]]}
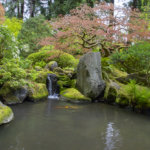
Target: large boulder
{"points": [[13, 95], [6, 114], [89, 75]]}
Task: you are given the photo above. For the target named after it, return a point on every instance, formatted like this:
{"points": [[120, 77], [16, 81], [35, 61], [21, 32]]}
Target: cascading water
{"points": [[52, 87]]}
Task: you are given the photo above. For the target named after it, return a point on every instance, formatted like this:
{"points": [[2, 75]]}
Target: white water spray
{"points": [[50, 90]]}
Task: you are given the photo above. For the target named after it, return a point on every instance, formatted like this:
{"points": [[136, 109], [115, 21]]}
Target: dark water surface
{"points": [[52, 125]]}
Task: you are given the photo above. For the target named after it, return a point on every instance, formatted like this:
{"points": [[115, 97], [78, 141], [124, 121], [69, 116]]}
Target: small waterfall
{"points": [[52, 86]]}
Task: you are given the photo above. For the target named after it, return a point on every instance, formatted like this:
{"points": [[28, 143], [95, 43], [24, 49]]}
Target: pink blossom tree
{"points": [[87, 28]]}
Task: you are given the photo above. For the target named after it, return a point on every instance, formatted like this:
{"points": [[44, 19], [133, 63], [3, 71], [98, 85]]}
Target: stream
{"points": [[55, 125]]}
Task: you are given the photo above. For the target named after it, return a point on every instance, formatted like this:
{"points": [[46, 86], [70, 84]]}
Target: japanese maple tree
{"points": [[86, 28]]}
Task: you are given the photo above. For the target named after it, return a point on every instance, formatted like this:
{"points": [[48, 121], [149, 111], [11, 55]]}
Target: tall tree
{"points": [[15, 8], [2, 13], [84, 30]]}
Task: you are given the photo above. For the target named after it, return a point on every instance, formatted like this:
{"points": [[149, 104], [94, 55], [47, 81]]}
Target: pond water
{"points": [[54, 125]]}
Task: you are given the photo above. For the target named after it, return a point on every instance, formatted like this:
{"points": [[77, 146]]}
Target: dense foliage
{"points": [[134, 60], [85, 30], [33, 30], [48, 8], [8, 44]]}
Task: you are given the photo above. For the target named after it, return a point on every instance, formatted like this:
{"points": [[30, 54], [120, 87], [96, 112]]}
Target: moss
{"points": [[63, 59], [111, 92], [58, 70], [38, 76], [42, 76], [73, 83], [64, 82], [118, 73], [132, 95], [123, 91], [51, 63], [37, 91], [38, 68], [122, 97], [9, 93], [72, 94], [41, 64], [66, 60], [5, 113]]}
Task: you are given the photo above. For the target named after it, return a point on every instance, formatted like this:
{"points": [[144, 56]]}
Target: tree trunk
{"points": [[32, 8], [134, 4], [18, 8], [90, 3], [22, 9]]}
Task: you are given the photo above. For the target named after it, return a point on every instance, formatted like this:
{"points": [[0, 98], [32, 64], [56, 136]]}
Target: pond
{"points": [[55, 125]]}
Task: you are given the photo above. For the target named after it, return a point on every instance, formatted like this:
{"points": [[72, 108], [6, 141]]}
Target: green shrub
{"points": [[11, 71], [139, 95], [14, 25], [66, 60], [8, 44], [38, 76], [134, 60], [134, 95], [63, 59], [33, 30]]}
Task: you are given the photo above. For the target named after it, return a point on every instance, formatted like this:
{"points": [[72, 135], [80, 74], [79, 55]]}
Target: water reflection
{"points": [[112, 137]]}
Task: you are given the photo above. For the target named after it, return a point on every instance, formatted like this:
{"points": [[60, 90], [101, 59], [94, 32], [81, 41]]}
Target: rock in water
{"points": [[89, 75], [6, 114], [13, 95]]}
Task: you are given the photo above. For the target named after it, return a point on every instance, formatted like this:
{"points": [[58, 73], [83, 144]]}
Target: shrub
{"points": [[8, 44], [134, 60], [14, 25], [32, 31], [11, 71], [63, 59], [139, 95]]}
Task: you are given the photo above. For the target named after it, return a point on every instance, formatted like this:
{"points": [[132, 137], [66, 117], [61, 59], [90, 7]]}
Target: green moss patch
{"points": [[37, 91], [6, 114], [13, 95], [44, 56], [72, 94]]}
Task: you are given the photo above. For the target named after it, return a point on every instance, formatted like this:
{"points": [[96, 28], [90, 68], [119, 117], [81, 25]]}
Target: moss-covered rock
{"points": [[64, 82], [63, 59], [130, 95], [13, 95], [111, 92], [38, 68], [37, 91], [51, 65], [6, 114], [73, 95], [122, 96], [59, 71]]}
